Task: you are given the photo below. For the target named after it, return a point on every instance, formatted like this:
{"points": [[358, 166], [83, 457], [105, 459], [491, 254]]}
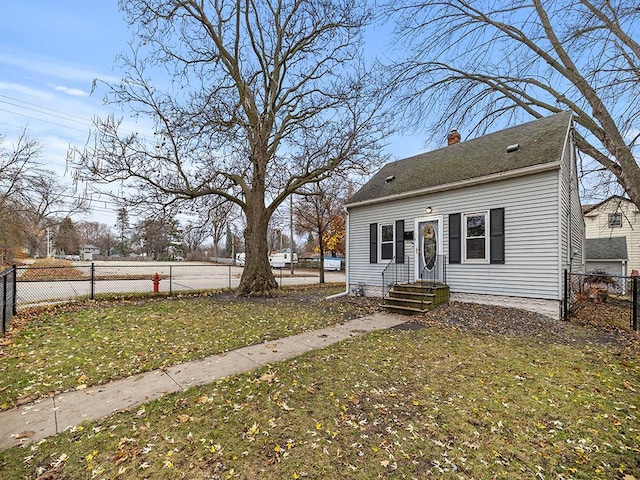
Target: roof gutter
{"points": [[521, 172]]}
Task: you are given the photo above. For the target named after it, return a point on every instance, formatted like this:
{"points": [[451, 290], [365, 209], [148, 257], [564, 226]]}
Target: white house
{"points": [[496, 218], [88, 251], [616, 217]]}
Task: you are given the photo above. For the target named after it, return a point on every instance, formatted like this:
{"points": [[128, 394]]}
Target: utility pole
{"points": [[48, 242], [291, 227]]}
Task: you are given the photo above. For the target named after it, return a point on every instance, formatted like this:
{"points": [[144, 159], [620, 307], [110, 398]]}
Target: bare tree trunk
{"points": [[257, 276], [321, 245]]}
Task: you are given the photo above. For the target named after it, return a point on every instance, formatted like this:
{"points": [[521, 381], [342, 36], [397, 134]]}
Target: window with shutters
{"points": [[386, 241], [475, 235]]}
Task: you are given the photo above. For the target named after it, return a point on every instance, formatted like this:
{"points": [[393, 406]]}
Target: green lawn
{"points": [[435, 402], [75, 346]]}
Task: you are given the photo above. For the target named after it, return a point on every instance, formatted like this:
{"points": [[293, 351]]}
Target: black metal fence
{"points": [[78, 281], [8, 296], [591, 292]]}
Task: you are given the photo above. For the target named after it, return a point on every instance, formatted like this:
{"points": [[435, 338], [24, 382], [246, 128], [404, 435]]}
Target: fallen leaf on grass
{"points": [[267, 377], [184, 418], [628, 386]]}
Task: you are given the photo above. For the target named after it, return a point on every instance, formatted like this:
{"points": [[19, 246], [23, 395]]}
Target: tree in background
{"points": [[97, 234], [31, 198], [159, 238], [472, 63], [270, 96], [122, 229], [335, 236], [67, 240], [321, 211]]}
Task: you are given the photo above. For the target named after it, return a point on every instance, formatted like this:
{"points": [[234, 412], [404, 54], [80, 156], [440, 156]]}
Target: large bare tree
{"points": [[266, 96], [473, 63], [31, 196]]}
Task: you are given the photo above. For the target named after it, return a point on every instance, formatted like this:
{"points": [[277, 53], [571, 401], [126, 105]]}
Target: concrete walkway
{"points": [[52, 415]]}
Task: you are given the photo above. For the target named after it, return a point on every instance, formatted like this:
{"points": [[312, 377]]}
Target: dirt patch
{"points": [[514, 322]]}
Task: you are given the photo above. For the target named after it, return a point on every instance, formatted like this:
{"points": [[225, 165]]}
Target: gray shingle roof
{"points": [[541, 141], [614, 248]]}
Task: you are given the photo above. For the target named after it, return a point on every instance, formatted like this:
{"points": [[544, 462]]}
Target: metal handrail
{"points": [[393, 272]]}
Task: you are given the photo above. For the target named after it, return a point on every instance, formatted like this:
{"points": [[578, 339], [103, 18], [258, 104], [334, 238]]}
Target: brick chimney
{"points": [[453, 137]]}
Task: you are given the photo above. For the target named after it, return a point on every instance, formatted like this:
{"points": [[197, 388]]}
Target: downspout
{"points": [[346, 262]]}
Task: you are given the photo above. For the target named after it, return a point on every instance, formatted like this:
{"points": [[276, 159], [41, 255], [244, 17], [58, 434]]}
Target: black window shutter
{"points": [[399, 241], [455, 245], [496, 226], [373, 243]]}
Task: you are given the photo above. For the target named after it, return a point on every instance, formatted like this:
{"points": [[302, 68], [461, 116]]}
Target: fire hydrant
{"points": [[156, 282]]}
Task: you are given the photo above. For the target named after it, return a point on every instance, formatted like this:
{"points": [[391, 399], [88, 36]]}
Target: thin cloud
{"points": [[24, 90], [51, 67], [76, 92]]}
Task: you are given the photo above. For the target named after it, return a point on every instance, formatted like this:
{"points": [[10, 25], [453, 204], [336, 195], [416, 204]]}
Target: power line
{"points": [[43, 120], [44, 110]]}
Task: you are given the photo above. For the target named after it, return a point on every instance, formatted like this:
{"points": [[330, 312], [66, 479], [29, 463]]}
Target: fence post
{"points": [[15, 290], [4, 303], [565, 300], [634, 299], [230, 276], [93, 281], [170, 280]]}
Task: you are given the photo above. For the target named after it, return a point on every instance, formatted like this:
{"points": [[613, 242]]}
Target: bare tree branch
{"points": [[468, 64]]}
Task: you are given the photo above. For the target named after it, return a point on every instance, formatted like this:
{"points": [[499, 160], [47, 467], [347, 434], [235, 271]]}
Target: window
{"points": [[615, 220], [386, 242], [475, 237]]}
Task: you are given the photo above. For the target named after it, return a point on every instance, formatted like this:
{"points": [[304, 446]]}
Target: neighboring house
{"points": [[88, 251], [499, 216], [608, 255], [616, 217]]}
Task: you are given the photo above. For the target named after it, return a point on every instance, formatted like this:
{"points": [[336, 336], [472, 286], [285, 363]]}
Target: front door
{"points": [[428, 249]]}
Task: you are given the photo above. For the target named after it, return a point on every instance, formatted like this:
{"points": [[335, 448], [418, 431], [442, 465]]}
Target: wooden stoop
{"points": [[413, 298]]}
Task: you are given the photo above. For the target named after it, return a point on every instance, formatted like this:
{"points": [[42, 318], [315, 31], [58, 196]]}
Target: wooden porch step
{"points": [[415, 298]]}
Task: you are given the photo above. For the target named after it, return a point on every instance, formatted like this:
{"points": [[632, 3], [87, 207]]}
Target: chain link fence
{"points": [[78, 281], [608, 298]]}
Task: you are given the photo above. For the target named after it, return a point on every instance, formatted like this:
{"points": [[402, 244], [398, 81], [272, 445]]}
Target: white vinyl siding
{"points": [[572, 227], [531, 236], [597, 226]]}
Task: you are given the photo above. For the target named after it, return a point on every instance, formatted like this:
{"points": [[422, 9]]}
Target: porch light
{"points": [[428, 210]]}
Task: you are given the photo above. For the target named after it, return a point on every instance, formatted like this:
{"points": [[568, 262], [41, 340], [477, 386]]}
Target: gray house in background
{"points": [[608, 255], [496, 218], [88, 251]]}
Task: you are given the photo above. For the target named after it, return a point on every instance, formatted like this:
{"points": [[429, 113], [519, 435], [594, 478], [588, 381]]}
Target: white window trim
{"points": [[616, 215], [393, 242], [487, 237]]}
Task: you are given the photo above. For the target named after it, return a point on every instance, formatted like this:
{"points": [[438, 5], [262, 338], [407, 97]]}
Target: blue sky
{"points": [[50, 53]]}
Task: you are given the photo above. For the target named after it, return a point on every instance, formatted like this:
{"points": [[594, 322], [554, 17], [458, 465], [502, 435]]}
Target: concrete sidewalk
{"points": [[52, 415]]}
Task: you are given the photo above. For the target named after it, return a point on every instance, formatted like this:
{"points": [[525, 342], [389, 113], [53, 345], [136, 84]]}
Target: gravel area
{"points": [[517, 322]]}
